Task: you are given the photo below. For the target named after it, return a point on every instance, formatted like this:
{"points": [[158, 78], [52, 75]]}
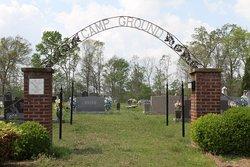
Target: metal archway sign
{"points": [[131, 22]]}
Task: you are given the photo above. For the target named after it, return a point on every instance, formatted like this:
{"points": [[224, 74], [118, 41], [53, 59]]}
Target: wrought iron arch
{"points": [[132, 22]]}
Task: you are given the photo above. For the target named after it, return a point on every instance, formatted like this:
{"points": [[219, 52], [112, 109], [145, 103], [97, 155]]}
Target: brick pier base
{"points": [[206, 96], [38, 106]]}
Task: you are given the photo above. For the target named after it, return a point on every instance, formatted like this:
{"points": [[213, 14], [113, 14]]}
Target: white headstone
{"points": [[224, 90]]}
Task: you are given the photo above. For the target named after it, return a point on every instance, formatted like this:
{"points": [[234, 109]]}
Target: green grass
{"points": [[125, 138]]}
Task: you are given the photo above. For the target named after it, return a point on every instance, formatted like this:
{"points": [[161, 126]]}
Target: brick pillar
{"points": [[206, 96], [38, 96]]}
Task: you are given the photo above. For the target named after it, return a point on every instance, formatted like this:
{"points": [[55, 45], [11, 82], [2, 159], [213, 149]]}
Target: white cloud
{"points": [[127, 42], [141, 7], [21, 19], [219, 6], [149, 8], [175, 3], [79, 17], [172, 23], [27, 20], [212, 6], [188, 28], [183, 29], [123, 42], [242, 7]]}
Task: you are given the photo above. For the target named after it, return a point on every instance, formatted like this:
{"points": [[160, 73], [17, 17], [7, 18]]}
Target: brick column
{"points": [[206, 96], [38, 96]]}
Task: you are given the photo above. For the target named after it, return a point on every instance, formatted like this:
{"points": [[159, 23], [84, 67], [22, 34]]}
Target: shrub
{"points": [[8, 135], [228, 133], [237, 128], [33, 141], [204, 131], [238, 110]]}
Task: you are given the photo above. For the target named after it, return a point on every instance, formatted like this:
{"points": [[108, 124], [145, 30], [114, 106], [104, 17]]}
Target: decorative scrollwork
{"points": [[131, 22], [65, 48], [186, 55], [181, 50], [178, 48], [75, 40], [169, 38]]}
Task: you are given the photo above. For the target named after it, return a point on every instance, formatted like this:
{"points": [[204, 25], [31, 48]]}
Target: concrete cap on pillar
{"points": [[46, 70], [206, 70]]}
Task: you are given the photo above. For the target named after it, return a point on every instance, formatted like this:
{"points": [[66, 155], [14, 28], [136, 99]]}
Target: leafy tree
{"points": [[49, 52], [175, 87], [161, 75], [48, 48], [115, 77], [148, 65], [226, 48], [13, 53], [233, 50], [36, 61], [246, 77], [146, 92], [136, 79], [159, 81], [67, 65], [164, 64], [203, 45], [58, 81], [241, 42], [92, 64], [79, 86], [183, 70]]}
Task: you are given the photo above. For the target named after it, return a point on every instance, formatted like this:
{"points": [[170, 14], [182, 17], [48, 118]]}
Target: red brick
{"points": [[38, 107], [206, 97]]}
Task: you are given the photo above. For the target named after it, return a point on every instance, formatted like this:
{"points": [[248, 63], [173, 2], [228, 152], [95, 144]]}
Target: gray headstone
{"points": [[158, 105], [147, 107], [90, 104]]}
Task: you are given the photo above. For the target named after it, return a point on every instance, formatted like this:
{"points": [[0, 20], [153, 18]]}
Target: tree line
{"points": [[227, 48], [116, 77]]}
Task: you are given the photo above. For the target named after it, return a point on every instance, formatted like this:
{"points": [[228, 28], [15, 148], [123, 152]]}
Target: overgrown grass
{"points": [[125, 138]]}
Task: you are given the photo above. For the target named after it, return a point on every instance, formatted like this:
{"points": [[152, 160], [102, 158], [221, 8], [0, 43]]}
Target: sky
{"points": [[29, 18]]}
